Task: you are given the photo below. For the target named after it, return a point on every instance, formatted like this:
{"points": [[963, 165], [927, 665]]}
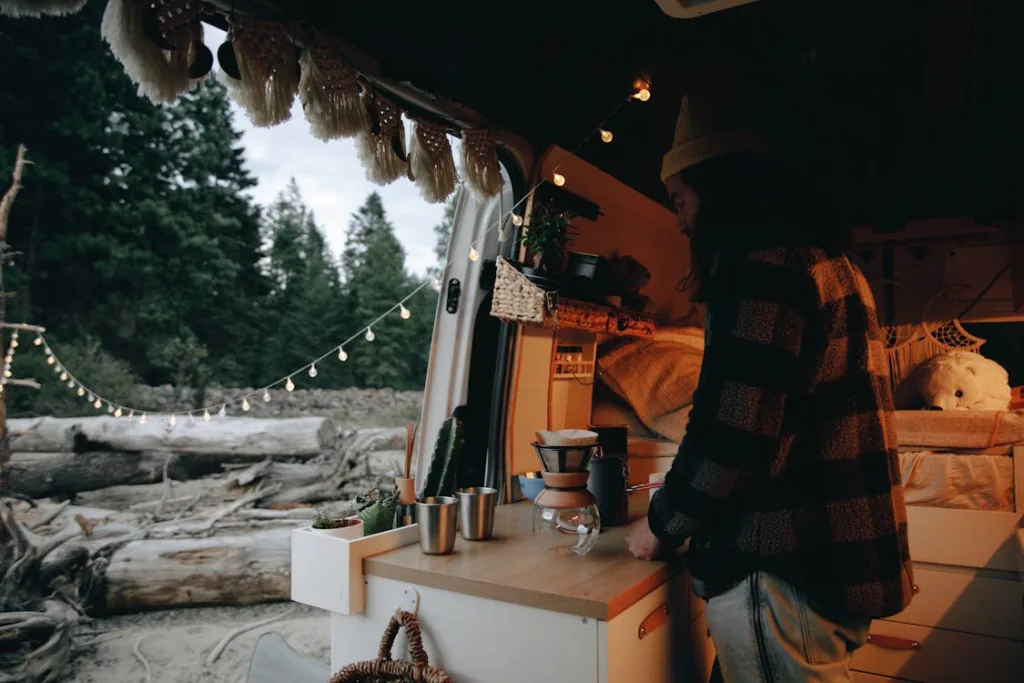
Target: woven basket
{"points": [[387, 670], [515, 298]]}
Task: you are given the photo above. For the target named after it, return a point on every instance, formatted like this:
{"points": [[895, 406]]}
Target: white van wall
{"points": [[475, 223]]}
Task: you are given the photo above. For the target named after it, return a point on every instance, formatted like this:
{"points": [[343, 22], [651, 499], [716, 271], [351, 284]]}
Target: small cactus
{"points": [[322, 520], [445, 462]]}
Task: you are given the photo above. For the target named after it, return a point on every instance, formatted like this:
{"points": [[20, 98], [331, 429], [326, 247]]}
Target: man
{"points": [[787, 482]]}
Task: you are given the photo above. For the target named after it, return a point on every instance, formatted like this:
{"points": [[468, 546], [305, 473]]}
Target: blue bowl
{"points": [[530, 486]]}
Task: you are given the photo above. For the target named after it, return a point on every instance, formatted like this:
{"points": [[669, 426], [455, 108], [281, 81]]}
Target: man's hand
{"points": [[641, 541]]}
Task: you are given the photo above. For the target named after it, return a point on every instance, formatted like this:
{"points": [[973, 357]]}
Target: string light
{"points": [[642, 93]]}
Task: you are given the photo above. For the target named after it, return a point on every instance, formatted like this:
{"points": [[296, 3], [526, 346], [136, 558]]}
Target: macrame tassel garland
{"points": [[269, 69], [431, 162], [480, 163], [39, 8], [158, 44], [330, 93], [381, 149]]}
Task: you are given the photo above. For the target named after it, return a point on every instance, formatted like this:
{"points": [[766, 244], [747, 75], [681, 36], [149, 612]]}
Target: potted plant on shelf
{"points": [[545, 239], [347, 528]]}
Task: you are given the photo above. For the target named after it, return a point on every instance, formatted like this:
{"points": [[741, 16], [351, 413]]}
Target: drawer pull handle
{"points": [[893, 642], [652, 622]]}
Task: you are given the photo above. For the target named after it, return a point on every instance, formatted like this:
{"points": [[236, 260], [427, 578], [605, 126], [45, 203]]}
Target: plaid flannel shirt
{"points": [[789, 464]]}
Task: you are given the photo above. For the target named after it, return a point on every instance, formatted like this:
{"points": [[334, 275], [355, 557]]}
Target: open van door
{"points": [[465, 372]]}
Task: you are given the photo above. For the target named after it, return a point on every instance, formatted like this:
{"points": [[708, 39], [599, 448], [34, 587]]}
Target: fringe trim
{"points": [[330, 94], [270, 73], [431, 162], [480, 163], [161, 75], [39, 8], [381, 149]]}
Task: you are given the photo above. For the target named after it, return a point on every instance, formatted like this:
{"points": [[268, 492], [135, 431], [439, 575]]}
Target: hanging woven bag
{"points": [[387, 670]]}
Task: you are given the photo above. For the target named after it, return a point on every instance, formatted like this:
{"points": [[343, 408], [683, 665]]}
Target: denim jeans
{"points": [[765, 631]]}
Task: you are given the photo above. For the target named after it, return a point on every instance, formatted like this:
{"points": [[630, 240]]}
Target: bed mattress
{"points": [[958, 480]]}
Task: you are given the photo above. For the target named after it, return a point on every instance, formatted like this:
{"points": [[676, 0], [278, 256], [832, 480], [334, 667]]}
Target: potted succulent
{"points": [[546, 238], [348, 528]]}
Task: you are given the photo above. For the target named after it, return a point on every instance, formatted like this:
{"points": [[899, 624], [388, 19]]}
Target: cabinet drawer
{"points": [[940, 656], [961, 599]]}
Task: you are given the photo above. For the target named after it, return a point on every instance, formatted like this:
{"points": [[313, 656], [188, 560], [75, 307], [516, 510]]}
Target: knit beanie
{"points": [[713, 122]]}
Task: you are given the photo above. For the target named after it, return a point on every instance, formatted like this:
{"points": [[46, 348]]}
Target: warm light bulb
{"points": [[63, 377], [118, 413], [517, 220], [473, 254], [370, 336], [173, 421], [71, 384], [206, 416], [404, 312], [245, 404], [110, 408], [342, 354], [223, 411], [9, 359], [437, 285], [131, 414], [8, 373], [312, 370], [142, 420], [289, 385], [266, 396], [50, 360], [14, 343], [58, 369], [606, 136], [558, 179], [81, 391], [97, 404], [38, 341], [643, 94]]}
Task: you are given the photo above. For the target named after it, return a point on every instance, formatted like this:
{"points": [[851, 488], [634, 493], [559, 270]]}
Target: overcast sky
{"points": [[331, 179]]}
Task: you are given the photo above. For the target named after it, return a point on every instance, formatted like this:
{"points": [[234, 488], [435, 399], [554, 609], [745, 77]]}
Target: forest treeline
{"points": [[137, 243]]}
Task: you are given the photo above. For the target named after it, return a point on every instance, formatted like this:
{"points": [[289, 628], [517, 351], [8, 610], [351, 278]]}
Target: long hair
{"points": [[750, 200]]}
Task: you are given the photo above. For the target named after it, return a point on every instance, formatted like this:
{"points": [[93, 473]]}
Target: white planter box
{"points": [[327, 571]]}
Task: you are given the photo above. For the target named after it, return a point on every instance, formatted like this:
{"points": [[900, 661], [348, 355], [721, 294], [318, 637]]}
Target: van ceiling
{"points": [[909, 109]]}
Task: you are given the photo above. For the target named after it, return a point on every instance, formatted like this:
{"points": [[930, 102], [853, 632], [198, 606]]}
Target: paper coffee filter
{"points": [[567, 437]]}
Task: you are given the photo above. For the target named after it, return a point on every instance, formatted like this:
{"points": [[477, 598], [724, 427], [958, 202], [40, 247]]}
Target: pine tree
{"points": [[373, 265]]}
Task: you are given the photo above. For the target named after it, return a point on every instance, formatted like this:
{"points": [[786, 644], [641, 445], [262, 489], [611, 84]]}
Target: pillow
{"points": [[609, 409], [656, 378]]}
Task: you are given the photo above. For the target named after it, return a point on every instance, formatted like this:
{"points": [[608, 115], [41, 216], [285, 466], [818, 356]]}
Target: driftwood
{"points": [[243, 437], [229, 570]]}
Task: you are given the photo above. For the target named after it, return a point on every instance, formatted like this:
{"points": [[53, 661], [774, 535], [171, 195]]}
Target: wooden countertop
{"points": [[511, 568]]}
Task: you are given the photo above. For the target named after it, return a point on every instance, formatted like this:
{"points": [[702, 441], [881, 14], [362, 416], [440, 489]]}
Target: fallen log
{"points": [[244, 437], [227, 570], [47, 475]]}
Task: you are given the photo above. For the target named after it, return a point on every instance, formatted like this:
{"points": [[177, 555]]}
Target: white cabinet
{"points": [[478, 640]]}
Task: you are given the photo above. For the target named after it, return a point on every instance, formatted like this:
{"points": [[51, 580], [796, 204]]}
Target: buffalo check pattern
{"points": [[789, 464]]}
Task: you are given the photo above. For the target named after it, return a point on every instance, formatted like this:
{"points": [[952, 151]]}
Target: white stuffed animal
{"points": [[955, 380]]}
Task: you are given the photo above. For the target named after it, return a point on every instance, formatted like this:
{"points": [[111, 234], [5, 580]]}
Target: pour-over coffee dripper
{"points": [[565, 514]]}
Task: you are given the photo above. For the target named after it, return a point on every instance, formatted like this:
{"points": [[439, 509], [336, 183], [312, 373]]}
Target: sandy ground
{"points": [[177, 642]]}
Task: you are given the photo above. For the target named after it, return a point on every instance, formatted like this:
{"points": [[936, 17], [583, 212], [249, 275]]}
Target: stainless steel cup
{"points": [[476, 510], [436, 517]]}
